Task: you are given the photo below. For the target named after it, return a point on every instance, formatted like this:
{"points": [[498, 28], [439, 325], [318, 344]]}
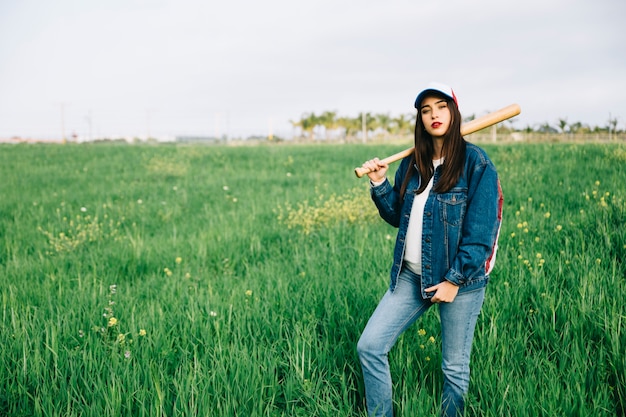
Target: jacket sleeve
{"points": [[387, 197], [481, 225]]}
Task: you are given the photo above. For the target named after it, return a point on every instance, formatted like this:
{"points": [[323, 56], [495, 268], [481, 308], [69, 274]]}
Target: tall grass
{"points": [[188, 280]]}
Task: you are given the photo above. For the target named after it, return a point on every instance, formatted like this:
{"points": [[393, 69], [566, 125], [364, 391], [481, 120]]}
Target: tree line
{"points": [[329, 125]]}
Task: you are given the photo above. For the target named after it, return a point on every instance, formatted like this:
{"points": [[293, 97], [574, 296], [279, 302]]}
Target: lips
{"points": [[436, 125]]}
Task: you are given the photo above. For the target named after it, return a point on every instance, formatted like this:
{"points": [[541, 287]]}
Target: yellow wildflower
{"points": [[142, 332], [112, 322]]}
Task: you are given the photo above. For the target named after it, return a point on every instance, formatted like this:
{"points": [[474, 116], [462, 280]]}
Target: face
{"points": [[436, 116]]}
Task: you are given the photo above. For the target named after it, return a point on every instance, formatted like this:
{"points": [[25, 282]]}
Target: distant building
{"points": [[199, 139]]}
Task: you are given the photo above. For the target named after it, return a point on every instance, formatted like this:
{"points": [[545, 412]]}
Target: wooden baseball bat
{"points": [[466, 129]]}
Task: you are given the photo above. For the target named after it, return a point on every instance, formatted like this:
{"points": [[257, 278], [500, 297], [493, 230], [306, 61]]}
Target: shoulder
{"points": [[405, 164], [475, 155]]}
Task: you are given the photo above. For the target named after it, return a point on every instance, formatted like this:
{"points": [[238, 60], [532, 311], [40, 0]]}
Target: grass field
{"points": [[235, 281]]}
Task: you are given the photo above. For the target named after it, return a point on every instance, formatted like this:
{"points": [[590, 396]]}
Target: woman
{"points": [[446, 202]]}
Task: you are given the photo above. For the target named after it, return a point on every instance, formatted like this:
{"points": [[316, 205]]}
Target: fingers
{"points": [[445, 292], [373, 165], [376, 169]]}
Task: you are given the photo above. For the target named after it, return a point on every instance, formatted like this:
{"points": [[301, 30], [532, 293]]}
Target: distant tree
{"points": [[562, 125], [469, 118], [383, 122], [351, 125], [307, 123], [328, 119], [403, 124], [612, 125], [546, 128], [575, 127]]}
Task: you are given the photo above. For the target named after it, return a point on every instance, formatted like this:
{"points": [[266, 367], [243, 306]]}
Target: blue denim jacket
{"points": [[460, 228]]}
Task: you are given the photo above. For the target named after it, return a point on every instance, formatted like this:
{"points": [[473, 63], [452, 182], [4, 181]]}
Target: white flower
{"points": [[83, 209]]}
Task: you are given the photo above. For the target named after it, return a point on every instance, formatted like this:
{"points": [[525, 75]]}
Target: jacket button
{"points": [[428, 214], [427, 240], [427, 266]]}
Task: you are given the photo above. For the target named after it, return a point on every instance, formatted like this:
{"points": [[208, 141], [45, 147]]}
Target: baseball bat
{"points": [[466, 129]]}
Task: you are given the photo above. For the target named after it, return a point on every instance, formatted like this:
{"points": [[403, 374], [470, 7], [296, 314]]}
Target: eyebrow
{"points": [[437, 102]]}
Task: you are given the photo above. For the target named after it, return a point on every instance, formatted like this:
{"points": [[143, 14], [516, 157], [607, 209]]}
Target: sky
{"points": [[164, 68]]}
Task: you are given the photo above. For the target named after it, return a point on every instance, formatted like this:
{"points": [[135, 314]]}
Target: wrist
{"points": [[376, 183]]}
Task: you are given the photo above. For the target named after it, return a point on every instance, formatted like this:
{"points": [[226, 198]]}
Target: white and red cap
{"points": [[438, 88]]}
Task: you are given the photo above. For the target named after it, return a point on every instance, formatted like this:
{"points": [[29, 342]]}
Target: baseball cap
{"points": [[437, 88]]}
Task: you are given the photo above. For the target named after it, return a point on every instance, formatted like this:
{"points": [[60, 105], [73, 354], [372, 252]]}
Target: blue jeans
{"points": [[395, 313]]}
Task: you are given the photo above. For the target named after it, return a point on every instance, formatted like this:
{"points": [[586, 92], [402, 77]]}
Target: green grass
{"points": [[220, 281]]}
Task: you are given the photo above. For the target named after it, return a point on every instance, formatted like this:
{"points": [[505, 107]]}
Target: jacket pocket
{"points": [[452, 206]]}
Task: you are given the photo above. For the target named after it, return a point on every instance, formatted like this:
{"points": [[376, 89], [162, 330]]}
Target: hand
{"points": [[377, 169], [445, 292]]}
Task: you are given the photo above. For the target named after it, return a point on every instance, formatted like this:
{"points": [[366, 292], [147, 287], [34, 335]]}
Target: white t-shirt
{"points": [[413, 246]]}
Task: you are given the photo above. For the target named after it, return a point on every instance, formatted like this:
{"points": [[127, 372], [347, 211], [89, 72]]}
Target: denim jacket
{"points": [[460, 228]]}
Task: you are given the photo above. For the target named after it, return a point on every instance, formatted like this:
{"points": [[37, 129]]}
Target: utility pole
{"points": [[63, 139]]}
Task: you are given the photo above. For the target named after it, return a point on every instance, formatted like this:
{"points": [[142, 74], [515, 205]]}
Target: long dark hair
{"points": [[453, 151]]}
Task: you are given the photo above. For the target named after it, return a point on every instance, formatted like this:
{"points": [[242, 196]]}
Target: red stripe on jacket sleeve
{"points": [[491, 261]]}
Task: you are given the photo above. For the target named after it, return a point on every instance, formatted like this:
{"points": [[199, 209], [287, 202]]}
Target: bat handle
{"points": [[360, 171]]}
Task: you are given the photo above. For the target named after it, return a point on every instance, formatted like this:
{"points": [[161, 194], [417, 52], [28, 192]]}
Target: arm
{"points": [[387, 197]]}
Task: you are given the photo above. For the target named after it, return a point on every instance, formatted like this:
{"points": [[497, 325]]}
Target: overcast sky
{"points": [[243, 67]]}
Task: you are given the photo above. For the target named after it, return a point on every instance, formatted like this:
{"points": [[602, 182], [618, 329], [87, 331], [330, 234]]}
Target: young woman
{"points": [[446, 202]]}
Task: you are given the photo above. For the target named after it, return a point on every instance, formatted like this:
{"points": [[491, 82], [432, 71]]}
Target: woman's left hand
{"points": [[445, 292]]}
